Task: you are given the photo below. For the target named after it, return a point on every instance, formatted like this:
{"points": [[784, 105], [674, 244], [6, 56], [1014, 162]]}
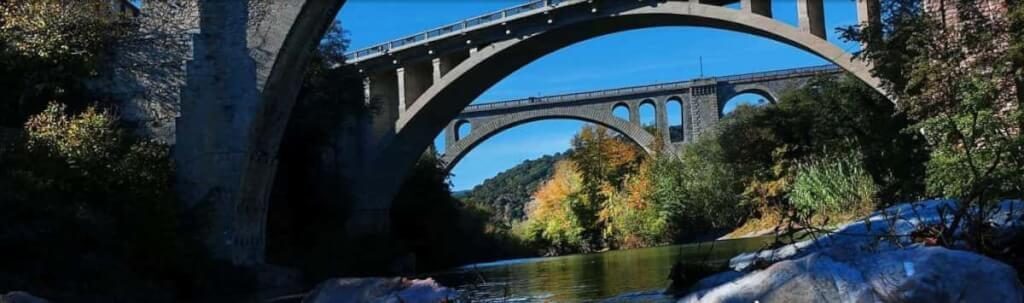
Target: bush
{"points": [[833, 186], [89, 212], [47, 49]]}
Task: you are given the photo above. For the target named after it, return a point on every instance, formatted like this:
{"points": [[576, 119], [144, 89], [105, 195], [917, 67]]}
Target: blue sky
{"points": [[669, 54]]}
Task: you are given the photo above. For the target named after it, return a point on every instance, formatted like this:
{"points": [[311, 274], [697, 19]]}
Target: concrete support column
{"points": [[760, 7], [413, 80], [402, 91], [444, 64], [436, 70], [811, 14], [868, 11]]}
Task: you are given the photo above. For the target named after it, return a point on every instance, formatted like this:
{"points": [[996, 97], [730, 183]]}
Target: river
{"points": [[634, 275]]}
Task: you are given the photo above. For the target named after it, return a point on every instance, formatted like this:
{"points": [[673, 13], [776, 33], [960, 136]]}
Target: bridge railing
{"points": [[812, 70], [517, 11], [820, 69]]}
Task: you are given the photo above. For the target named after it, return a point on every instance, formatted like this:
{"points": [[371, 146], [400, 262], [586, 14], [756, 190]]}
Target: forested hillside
{"points": [[506, 193]]}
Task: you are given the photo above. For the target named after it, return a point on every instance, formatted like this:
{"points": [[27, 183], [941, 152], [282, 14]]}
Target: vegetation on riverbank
{"points": [[829, 151], [89, 212]]}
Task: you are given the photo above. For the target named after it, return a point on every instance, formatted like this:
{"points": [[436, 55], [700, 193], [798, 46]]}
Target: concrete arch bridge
{"points": [[248, 58]]}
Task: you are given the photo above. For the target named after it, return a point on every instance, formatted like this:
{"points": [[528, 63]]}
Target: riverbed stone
{"points": [[21, 297], [384, 290], [916, 274], [886, 229], [861, 262]]}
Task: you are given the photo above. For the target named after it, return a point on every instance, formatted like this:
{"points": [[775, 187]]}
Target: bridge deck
{"points": [[633, 90], [528, 9]]}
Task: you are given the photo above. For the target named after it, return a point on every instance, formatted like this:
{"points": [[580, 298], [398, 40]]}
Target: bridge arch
{"points": [[436, 106], [768, 94], [458, 129], [624, 106], [455, 152]]}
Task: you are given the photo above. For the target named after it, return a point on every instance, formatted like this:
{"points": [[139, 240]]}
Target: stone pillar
{"points": [[760, 7], [811, 14], [213, 154], [634, 113], [687, 118], [384, 94], [449, 136], [704, 107], [661, 120]]}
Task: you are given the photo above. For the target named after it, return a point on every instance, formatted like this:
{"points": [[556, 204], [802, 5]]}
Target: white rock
{"points": [[918, 274], [21, 297], [864, 235], [385, 290]]}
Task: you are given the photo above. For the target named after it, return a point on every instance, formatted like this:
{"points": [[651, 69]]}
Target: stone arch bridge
{"points": [[701, 101], [248, 58]]}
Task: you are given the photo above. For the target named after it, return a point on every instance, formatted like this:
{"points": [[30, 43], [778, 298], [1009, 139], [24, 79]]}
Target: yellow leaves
{"points": [[89, 137], [550, 197], [56, 30]]}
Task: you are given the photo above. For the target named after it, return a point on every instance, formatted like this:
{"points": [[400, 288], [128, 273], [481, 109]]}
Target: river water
{"points": [[635, 275]]}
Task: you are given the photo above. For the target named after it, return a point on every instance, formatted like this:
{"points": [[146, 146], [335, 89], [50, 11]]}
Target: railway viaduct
{"points": [[701, 101]]}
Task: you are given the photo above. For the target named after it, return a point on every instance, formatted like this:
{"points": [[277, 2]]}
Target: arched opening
{"points": [[631, 131], [621, 111], [488, 154], [744, 99], [462, 129], [674, 111], [469, 79], [505, 149], [648, 114], [472, 77]]}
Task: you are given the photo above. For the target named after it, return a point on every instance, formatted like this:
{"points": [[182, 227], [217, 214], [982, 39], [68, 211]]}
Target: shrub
{"points": [[89, 210], [832, 186]]}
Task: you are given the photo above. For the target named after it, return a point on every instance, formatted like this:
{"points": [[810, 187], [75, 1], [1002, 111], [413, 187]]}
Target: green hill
{"points": [[508, 192]]}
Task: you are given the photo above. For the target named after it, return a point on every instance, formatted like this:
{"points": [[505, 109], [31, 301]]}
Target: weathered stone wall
{"points": [[146, 70]]}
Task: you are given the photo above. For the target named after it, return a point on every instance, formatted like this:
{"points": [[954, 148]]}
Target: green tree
{"points": [[956, 74], [47, 49], [604, 160]]}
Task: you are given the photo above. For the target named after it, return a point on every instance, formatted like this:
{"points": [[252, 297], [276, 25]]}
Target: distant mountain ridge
{"points": [[508, 192]]}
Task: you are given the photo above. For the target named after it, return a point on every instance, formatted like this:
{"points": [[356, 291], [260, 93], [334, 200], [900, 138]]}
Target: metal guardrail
{"points": [[514, 12], [750, 77]]}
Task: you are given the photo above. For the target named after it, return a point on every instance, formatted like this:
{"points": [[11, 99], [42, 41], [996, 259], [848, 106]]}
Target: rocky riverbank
{"points": [[873, 260]]}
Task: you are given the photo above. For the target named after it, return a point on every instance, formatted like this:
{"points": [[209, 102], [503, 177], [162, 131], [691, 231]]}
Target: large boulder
{"points": [[384, 290], [885, 229], [917, 274], [21, 297], [874, 260]]}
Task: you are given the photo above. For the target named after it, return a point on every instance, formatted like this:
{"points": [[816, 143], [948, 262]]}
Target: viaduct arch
{"points": [[244, 77], [455, 151], [489, 119]]}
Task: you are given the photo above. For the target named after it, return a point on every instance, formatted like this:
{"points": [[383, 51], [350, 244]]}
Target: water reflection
{"points": [[637, 275]]}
